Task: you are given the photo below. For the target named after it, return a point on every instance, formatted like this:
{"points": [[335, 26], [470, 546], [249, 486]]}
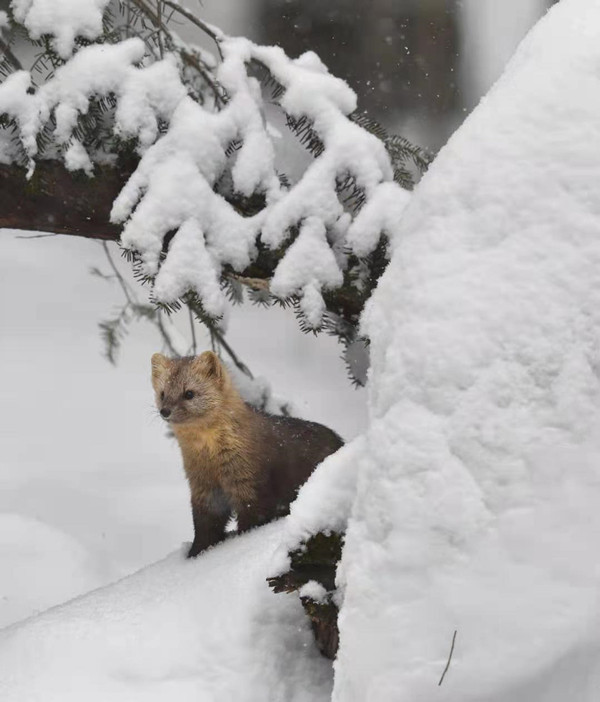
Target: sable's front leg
{"points": [[210, 519]]}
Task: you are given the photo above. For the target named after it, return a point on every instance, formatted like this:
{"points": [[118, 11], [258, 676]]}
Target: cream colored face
{"points": [[187, 389]]}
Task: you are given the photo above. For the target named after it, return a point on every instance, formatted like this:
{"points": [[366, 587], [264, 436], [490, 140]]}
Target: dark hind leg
{"points": [[210, 519], [256, 515]]}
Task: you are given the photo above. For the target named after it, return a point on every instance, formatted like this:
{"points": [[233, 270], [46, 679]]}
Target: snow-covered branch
{"points": [[198, 157]]}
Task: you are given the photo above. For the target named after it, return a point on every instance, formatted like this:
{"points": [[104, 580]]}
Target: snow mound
{"points": [[478, 509], [207, 629], [30, 552]]}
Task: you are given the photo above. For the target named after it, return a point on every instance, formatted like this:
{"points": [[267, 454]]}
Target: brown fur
{"points": [[236, 458]]}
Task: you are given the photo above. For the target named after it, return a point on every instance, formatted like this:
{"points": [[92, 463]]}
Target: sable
{"points": [[236, 458]]}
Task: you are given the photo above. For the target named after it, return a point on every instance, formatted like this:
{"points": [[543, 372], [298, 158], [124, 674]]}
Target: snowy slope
{"points": [[191, 631], [478, 508]]}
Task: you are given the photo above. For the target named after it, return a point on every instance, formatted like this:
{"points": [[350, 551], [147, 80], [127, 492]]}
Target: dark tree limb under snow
{"points": [[58, 201]]}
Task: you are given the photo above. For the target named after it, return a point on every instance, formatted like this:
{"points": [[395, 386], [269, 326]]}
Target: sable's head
{"points": [[188, 389]]}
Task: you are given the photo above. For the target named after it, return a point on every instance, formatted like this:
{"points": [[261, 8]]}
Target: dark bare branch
{"points": [[58, 201]]}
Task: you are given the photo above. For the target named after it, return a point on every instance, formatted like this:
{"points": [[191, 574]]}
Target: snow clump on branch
{"points": [[64, 20]]}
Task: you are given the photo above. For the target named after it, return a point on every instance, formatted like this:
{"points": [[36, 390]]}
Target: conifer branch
{"points": [[117, 275]]}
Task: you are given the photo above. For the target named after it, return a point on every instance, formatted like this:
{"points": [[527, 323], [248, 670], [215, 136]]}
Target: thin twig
{"points": [[193, 329], [449, 659], [118, 276], [160, 27], [191, 60], [34, 236], [165, 334], [231, 353], [213, 33], [186, 55], [257, 284]]}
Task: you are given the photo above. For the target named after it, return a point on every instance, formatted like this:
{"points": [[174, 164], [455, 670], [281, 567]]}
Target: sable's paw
{"points": [[194, 551], [198, 548]]}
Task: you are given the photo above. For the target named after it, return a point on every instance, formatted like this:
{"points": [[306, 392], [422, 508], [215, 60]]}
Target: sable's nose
{"points": [[165, 412]]}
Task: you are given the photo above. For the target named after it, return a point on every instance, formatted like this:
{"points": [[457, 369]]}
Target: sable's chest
{"points": [[202, 460], [205, 455]]}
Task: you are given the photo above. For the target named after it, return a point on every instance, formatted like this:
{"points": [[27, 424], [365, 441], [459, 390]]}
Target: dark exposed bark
{"points": [[317, 560], [323, 620], [56, 200]]}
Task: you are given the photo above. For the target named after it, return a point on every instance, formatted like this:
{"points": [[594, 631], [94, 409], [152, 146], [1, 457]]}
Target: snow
{"points": [[313, 590], [257, 392], [38, 553], [207, 629], [64, 21], [308, 265], [16, 102], [476, 508], [199, 274], [174, 184], [381, 214], [76, 158]]}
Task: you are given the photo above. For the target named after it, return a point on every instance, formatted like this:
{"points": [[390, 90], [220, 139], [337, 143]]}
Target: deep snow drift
{"points": [[207, 629], [477, 506]]}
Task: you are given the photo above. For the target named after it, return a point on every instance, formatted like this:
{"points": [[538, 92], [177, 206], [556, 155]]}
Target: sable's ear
{"points": [[160, 365], [210, 366]]}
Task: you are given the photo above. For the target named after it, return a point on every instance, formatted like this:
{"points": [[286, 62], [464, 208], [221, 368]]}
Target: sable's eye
{"points": [[188, 394]]}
